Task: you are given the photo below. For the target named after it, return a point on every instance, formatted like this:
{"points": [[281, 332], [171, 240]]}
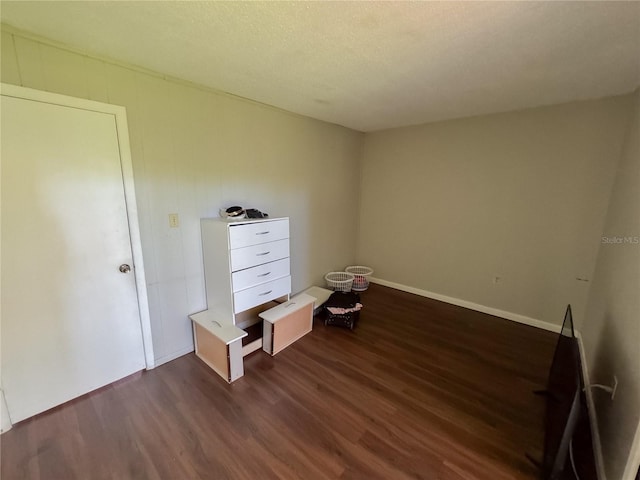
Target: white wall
{"points": [[611, 329], [448, 206], [195, 150]]}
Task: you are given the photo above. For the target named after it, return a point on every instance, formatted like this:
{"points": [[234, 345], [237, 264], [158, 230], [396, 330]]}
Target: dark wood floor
{"points": [[420, 389]]}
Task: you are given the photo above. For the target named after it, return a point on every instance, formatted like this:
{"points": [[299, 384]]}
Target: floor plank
{"points": [[419, 390]]}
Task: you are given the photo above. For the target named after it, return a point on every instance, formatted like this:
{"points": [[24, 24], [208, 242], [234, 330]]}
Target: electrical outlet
{"points": [[174, 220]]}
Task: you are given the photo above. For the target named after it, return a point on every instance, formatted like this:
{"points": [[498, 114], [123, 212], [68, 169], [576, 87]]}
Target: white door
{"points": [[70, 318]]}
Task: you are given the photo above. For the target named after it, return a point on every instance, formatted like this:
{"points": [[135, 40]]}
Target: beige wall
{"points": [[611, 330], [446, 207], [195, 151]]}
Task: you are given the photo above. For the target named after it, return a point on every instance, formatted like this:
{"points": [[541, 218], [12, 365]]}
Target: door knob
{"points": [[124, 268]]}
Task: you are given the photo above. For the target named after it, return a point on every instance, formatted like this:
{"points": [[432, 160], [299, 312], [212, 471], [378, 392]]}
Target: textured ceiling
{"points": [[364, 65]]}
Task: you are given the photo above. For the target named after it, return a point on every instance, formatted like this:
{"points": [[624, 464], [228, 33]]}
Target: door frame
{"points": [[122, 130]]}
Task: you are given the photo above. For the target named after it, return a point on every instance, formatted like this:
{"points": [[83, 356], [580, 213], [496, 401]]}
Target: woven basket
{"points": [[361, 277], [339, 281]]}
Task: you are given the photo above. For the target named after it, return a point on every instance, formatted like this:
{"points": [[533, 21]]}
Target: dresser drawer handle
{"points": [[264, 274], [265, 293], [262, 233], [262, 254]]}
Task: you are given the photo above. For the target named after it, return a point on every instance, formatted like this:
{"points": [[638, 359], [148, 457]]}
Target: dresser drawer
{"points": [[286, 323], [246, 257], [260, 294], [250, 277], [255, 233]]}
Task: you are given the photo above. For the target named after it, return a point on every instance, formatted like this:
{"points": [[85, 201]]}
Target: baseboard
{"points": [[472, 306], [5, 421], [593, 417], [174, 355]]}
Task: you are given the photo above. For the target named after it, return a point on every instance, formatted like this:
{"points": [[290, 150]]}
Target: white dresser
{"points": [[246, 264], [246, 270]]}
